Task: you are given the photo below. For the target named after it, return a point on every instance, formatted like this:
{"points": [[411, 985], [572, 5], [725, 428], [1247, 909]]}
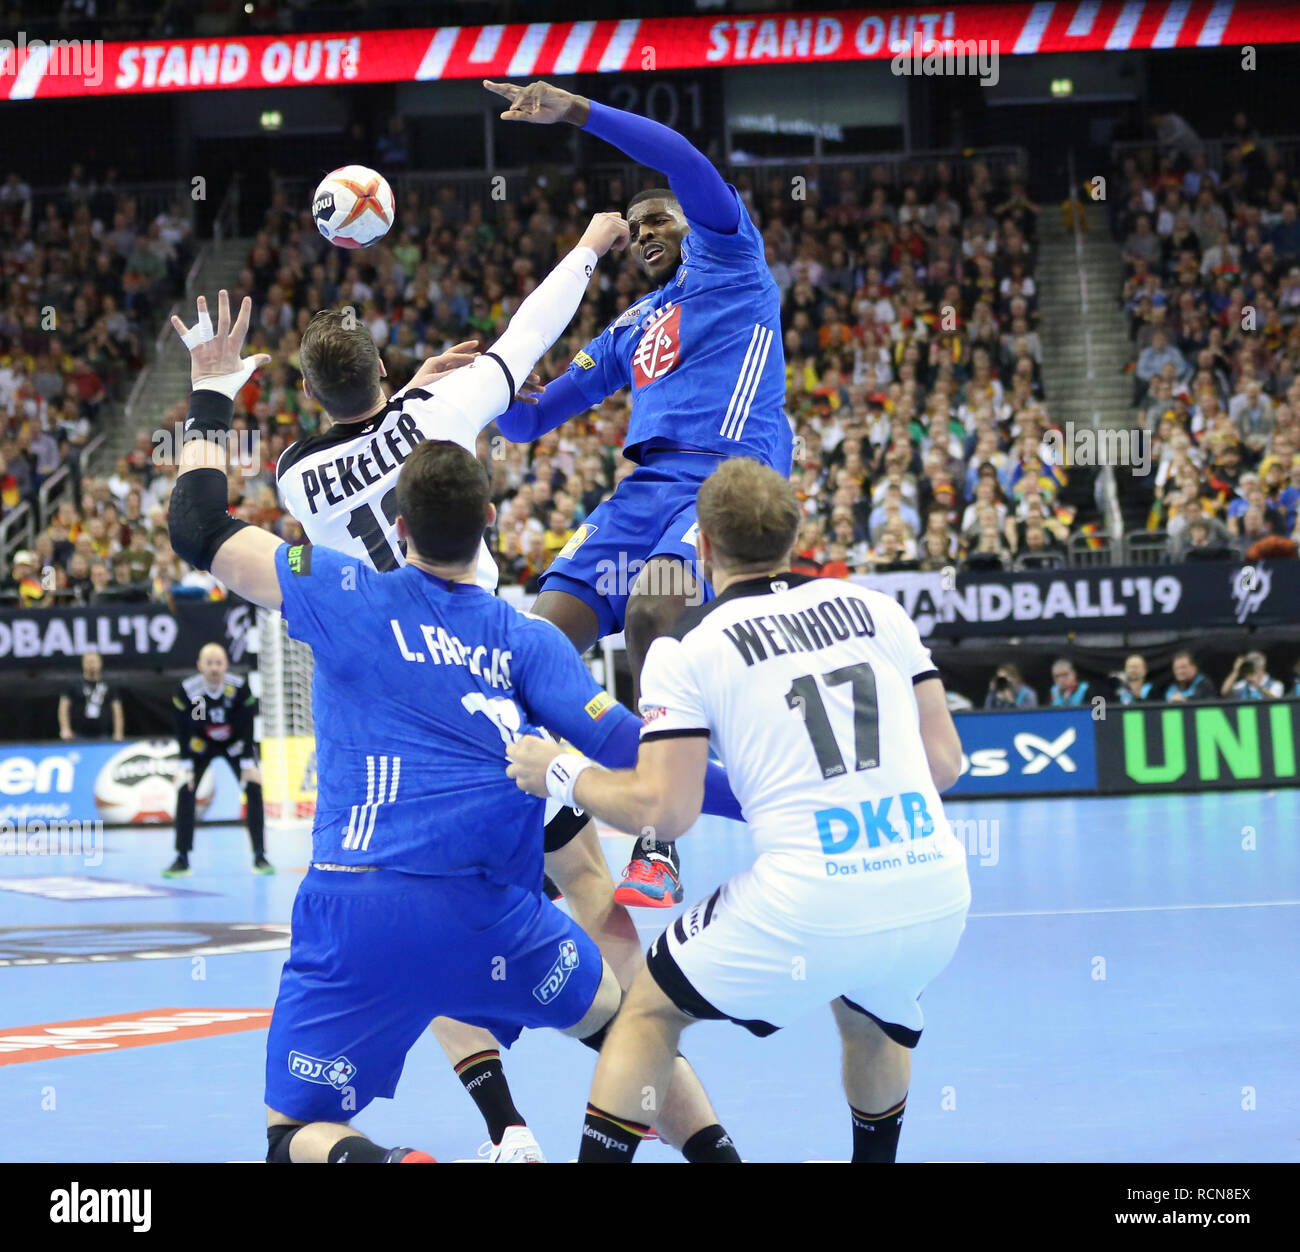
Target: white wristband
{"points": [[229, 385], [562, 774]]}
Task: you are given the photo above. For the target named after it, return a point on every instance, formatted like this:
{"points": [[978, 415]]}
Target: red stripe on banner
{"points": [[511, 38], [1148, 25], [551, 47], [608, 33], [678, 43]]}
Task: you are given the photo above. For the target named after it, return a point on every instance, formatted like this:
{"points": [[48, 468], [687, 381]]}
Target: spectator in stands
{"points": [[1142, 244], [79, 584], [1131, 685], [1189, 683], [1176, 136], [102, 590], [1067, 690], [1249, 680], [91, 708], [1251, 412], [23, 586], [1154, 359], [1203, 544], [1008, 690]]}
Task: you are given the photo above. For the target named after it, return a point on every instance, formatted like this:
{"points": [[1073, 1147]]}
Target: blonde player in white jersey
{"points": [[342, 487], [827, 711]]}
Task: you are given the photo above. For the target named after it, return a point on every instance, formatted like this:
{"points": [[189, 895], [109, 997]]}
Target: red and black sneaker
{"points": [[652, 879], [408, 1156]]}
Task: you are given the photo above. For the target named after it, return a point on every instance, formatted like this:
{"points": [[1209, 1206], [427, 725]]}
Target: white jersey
{"points": [[342, 485], [805, 687]]}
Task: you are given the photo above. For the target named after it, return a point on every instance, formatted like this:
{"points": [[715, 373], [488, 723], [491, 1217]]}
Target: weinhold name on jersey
{"points": [[344, 476], [444, 648], [808, 630]]}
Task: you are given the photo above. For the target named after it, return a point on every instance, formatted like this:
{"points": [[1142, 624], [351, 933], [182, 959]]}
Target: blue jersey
{"points": [[703, 354], [419, 686]]}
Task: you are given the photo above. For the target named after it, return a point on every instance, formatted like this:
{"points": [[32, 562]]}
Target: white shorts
{"points": [[718, 961]]}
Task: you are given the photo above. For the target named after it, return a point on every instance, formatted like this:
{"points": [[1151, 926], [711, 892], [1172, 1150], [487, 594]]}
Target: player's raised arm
{"points": [[704, 196], [535, 326], [202, 532]]}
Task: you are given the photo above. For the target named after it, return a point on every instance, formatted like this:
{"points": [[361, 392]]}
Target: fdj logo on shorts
{"points": [[565, 964], [337, 1073]]}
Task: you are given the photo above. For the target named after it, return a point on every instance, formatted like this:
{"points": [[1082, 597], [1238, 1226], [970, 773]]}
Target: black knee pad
{"points": [[277, 1143]]}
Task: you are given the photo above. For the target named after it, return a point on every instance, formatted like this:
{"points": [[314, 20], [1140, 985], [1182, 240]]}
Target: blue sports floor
{"points": [[1126, 990]]}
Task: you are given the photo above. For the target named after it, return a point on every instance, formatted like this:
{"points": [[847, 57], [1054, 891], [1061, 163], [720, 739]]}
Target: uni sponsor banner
{"points": [[141, 635], [1202, 746], [1106, 598], [119, 784], [32, 67], [137, 1029], [1034, 752]]}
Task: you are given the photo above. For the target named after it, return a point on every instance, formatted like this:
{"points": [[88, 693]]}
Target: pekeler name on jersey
{"points": [[345, 476]]}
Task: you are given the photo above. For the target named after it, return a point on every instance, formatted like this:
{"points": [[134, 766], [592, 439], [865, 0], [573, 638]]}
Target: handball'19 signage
{"points": [[1177, 748]]}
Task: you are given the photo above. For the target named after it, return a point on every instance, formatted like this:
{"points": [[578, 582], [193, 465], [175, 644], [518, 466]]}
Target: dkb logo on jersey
{"points": [[337, 1073], [565, 964], [660, 346]]}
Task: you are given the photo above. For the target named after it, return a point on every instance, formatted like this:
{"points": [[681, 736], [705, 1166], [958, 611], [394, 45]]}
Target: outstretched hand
{"points": [[431, 367], [540, 103], [215, 353]]}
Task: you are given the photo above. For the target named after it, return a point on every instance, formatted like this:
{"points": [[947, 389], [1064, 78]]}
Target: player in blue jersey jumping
{"points": [[703, 356], [424, 897]]}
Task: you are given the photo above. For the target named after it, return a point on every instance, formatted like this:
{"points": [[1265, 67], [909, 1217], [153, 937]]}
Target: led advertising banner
{"points": [[1195, 747], [36, 64]]}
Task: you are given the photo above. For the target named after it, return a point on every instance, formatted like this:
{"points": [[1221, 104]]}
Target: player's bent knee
{"points": [[603, 1006], [649, 615], [279, 1131]]}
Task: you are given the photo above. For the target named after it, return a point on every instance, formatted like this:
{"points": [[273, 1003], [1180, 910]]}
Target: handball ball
{"points": [[353, 207]]}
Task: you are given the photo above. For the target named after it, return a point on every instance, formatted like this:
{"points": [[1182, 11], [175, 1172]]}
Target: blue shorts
{"points": [[376, 956], [651, 513]]}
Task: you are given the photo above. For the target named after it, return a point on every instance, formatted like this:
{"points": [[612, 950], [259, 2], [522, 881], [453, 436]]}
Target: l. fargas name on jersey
{"points": [[444, 648]]}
